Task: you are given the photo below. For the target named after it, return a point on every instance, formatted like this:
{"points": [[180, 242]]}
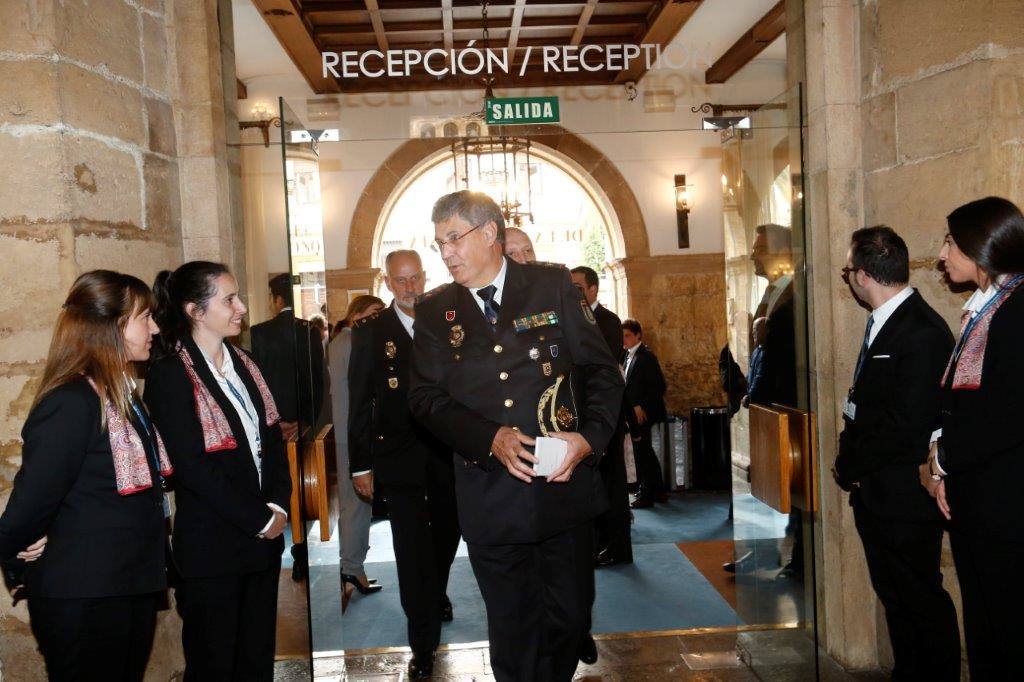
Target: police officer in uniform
{"points": [[388, 448], [505, 354]]}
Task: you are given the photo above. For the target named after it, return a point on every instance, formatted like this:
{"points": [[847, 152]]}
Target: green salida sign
{"points": [[514, 110]]}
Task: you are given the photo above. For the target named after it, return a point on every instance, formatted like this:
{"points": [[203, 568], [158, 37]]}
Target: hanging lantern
{"points": [[498, 166]]}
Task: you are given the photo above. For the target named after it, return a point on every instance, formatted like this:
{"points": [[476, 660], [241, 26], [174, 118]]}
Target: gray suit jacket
{"points": [[338, 353]]}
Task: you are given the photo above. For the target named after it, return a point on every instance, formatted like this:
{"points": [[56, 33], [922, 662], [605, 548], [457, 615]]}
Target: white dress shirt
{"points": [[406, 320], [630, 355], [228, 378], [882, 313], [499, 284]]}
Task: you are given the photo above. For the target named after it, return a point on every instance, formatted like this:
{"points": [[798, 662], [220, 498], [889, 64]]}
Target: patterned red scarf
{"points": [[967, 376], [217, 433], [131, 468]]}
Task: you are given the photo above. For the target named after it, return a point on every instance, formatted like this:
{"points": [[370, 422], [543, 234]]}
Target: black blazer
{"points": [[645, 386], [778, 368], [101, 543], [294, 373], [611, 329], [982, 439], [220, 503], [897, 403], [383, 435], [468, 382]]}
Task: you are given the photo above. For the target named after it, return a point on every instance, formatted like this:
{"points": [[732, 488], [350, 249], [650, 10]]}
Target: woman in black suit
{"points": [[90, 480], [974, 467], [232, 484]]}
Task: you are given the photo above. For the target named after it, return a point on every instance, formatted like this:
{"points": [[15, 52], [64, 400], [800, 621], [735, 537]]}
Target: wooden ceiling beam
{"points": [[393, 28], [581, 25], [666, 19], [752, 43], [295, 36], [447, 23], [321, 6], [378, 24], [517, 22]]}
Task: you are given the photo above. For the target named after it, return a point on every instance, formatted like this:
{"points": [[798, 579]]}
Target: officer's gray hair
{"points": [[401, 252], [476, 208]]}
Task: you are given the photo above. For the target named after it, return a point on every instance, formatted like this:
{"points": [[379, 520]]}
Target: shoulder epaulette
{"points": [[434, 292], [366, 320]]}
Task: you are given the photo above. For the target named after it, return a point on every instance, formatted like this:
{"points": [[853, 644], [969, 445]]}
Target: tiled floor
{"points": [[775, 656]]}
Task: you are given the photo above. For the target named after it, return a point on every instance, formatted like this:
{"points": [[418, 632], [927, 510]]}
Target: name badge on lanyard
{"points": [[849, 409]]}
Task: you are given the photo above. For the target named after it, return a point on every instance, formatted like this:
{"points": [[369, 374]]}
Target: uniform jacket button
{"points": [[503, 376], [498, 348], [509, 402]]}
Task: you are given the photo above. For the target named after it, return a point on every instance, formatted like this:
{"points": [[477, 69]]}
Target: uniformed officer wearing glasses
{"points": [[507, 353]]}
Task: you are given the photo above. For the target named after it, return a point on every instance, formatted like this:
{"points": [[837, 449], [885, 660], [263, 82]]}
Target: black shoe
{"points": [[363, 589], [588, 650], [733, 566], [606, 558], [421, 667], [299, 571], [641, 503], [446, 611]]}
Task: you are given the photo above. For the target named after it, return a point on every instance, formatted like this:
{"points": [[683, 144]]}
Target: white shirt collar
{"points": [[593, 306], [406, 320], [882, 313], [632, 349], [979, 298], [498, 282]]}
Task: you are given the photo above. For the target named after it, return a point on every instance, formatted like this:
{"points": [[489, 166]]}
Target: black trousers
{"points": [[425, 532], [538, 604], [903, 561], [613, 531], [993, 597], [648, 468], [106, 638], [228, 626]]}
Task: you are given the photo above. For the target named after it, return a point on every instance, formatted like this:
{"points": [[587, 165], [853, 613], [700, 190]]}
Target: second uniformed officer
{"points": [[507, 353], [413, 468]]}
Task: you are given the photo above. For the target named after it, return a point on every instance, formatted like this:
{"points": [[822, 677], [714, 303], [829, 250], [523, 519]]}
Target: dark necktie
{"points": [[863, 348], [491, 307]]}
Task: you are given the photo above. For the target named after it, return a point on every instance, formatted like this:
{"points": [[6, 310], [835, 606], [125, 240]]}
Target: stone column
{"points": [[113, 138]]}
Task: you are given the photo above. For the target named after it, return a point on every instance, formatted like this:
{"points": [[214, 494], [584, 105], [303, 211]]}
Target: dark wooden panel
{"points": [[761, 35]]}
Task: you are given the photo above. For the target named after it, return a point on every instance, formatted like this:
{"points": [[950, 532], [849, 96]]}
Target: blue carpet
{"points": [[661, 590]]}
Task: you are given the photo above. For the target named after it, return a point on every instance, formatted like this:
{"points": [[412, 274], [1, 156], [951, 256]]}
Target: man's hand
{"points": [[33, 551], [289, 430], [578, 450], [641, 416], [924, 473], [940, 499], [277, 526], [507, 448], [363, 485]]}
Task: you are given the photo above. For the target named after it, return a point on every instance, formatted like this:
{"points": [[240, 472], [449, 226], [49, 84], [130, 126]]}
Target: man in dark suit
{"points": [[645, 407], [505, 354], [290, 354], [888, 418], [613, 541], [388, 448]]}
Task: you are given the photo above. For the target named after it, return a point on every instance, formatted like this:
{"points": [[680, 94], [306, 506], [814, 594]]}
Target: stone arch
{"points": [[596, 167]]}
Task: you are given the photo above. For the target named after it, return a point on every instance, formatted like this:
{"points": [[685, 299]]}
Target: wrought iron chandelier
{"points": [[498, 165]]}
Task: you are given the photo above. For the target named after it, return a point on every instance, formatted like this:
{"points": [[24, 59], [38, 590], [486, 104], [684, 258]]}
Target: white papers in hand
{"points": [[551, 452]]}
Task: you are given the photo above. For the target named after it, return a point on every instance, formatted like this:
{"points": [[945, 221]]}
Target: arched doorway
{"points": [[627, 232], [573, 223]]}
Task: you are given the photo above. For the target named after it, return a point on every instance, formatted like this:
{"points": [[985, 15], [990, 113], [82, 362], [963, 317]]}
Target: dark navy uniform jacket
{"points": [[544, 367]]}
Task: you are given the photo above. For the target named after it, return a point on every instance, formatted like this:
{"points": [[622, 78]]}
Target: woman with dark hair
{"points": [[354, 513], [232, 484], [90, 480], [975, 459]]}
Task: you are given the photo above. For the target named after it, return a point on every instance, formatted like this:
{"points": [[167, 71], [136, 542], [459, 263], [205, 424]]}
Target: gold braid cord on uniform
{"points": [[548, 396]]}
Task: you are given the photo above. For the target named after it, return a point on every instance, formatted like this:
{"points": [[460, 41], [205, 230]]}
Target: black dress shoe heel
{"points": [[421, 667], [447, 615], [355, 582], [588, 650]]}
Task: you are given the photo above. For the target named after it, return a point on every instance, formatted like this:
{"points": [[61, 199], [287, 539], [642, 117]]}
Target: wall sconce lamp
{"points": [[684, 204], [264, 119]]}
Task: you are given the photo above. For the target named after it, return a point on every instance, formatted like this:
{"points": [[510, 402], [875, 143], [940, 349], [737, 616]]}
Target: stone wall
{"points": [[112, 150], [913, 108]]}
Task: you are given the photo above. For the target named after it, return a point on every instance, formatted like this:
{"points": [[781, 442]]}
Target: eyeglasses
{"points": [[411, 279], [441, 243], [846, 273]]}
